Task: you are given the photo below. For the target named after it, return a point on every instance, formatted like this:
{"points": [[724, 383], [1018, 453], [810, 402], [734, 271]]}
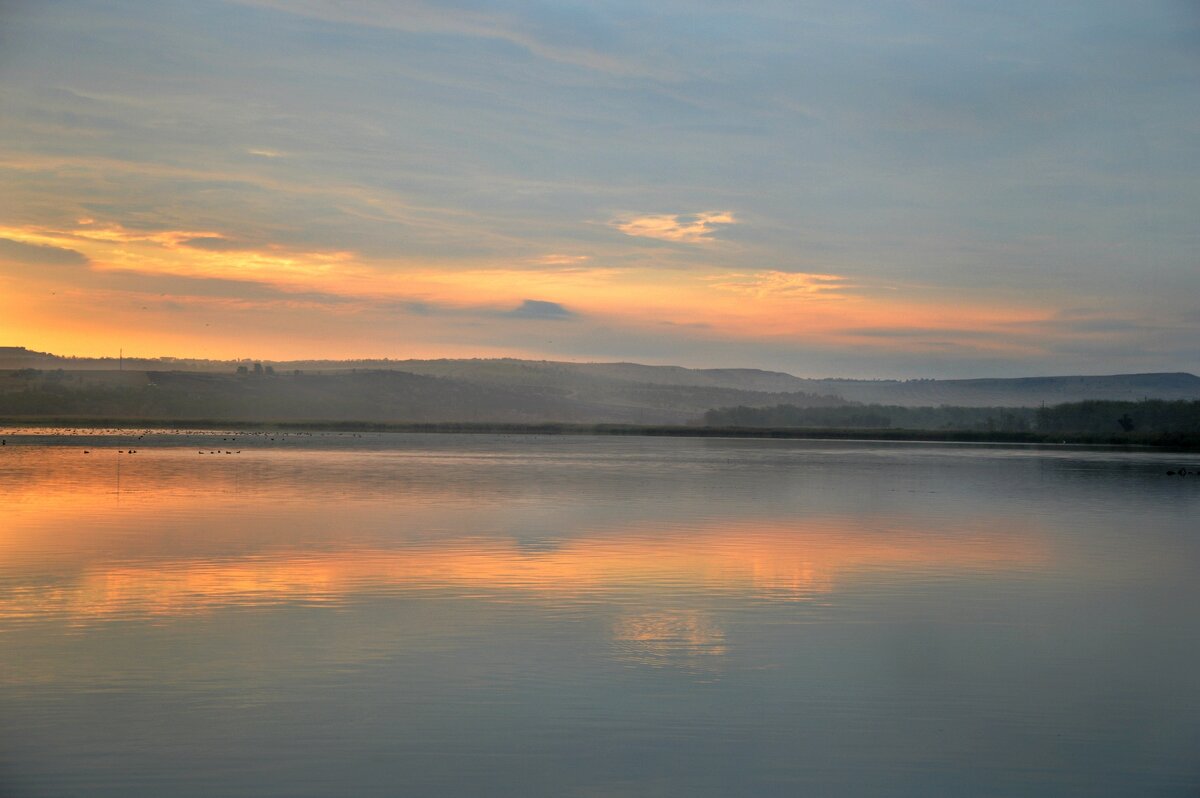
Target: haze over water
{"points": [[579, 616]]}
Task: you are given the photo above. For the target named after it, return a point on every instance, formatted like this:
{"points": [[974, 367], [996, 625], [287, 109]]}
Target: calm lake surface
{"points": [[475, 615]]}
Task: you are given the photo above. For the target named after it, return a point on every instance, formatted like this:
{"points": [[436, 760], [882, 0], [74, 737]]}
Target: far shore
{"points": [[1181, 442]]}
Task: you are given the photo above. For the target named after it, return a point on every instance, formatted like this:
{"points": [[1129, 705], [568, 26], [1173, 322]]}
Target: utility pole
{"points": [[121, 360]]}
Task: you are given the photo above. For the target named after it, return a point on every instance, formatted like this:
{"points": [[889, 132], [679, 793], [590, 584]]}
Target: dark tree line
{"points": [[1099, 418], [994, 419], [1150, 416]]}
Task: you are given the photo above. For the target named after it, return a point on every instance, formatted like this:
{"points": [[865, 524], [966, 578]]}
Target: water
{"points": [[444, 615]]}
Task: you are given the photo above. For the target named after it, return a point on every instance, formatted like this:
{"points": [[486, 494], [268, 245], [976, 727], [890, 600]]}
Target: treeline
{"points": [[146, 401], [259, 396], [401, 397], [992, 419], [1095, 418], [1154, 416], [259, 392]]}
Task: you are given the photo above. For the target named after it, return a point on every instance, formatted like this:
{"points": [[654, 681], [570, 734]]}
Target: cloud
{"points": [[90, 230], [1100, 322], [40, 254], [924, 332], [555, 259], [182, 287], [761, 285], [265, 152], [690, 229], [431, 19], [214, 243], [541, 309]]}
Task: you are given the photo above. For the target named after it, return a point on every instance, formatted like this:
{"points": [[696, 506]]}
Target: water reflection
{"points": [[687, 639], [777, 560], [517, 617]]}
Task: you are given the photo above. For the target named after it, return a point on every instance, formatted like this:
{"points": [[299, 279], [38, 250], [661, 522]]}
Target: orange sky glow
{"points": [[347, 291], [425, 181]]}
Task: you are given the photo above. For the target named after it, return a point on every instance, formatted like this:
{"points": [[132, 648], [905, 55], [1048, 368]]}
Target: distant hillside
{"points": [[987, 392], [374, 395], [1013, 392], [18, 357], [638, 393], [943, 417], [1146, 421]]}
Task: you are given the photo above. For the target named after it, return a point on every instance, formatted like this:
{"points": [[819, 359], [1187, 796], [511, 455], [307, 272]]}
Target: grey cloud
{"points": [[919, 332], [417, 308], [1102, 325], [424, 307], [474, 314], [210, 287], [541, 309], [40, 255], [215, 244]]}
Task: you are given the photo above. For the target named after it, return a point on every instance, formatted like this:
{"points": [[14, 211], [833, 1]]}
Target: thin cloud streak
{"points": [[783, 284], [689, 229], [420, 18]]}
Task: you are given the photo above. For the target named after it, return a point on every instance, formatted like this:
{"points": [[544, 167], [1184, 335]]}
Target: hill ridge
{"points": [[617, 391]]}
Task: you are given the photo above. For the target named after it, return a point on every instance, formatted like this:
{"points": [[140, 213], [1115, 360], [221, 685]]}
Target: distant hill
{"points": [[988, 392], [501, 390], [18, 357], [1013, 392], [985, 392], [363, 395], [1149, 421]]}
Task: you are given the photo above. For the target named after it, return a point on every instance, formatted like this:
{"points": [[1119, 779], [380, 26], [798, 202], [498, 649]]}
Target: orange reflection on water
{"points": [[773, 560], [686, 638]]}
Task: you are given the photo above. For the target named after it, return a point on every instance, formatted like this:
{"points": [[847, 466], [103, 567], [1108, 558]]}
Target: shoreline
{"points": [[1164, 441]]}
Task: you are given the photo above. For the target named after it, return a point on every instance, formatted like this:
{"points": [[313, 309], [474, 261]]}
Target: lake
{"points": [[331, 614]]}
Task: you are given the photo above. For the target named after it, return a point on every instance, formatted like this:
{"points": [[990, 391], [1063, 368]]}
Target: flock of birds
{"points": [[265, 436], [257, 436]]}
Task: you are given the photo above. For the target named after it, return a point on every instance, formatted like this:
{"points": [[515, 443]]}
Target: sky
{"points": [[862, 189]]}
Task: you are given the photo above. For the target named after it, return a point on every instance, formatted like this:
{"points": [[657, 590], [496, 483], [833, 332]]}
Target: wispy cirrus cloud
{"points": [[215, 243], [424, 18], [695, 228], [110, 246], [556, 259], [776, 284]]}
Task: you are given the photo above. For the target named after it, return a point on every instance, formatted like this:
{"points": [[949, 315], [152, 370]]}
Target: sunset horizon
{"points": [[853, 190]]}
